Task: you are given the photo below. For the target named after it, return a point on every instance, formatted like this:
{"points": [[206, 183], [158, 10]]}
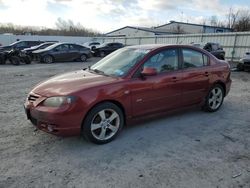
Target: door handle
{"points": [[206, 74], [174, 78]]}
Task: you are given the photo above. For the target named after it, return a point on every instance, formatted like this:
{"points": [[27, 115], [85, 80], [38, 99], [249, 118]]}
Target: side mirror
{"points": [[149, 71]]}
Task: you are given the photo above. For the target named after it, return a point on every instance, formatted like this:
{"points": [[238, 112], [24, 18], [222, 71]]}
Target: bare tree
{"points": [[243, 21], [232, 17]]}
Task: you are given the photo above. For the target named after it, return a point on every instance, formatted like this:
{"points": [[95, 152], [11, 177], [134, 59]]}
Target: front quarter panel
{"points": [[117, 93]]}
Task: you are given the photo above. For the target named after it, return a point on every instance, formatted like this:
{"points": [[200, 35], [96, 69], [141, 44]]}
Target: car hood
{"points": [[2, 48], [69, 83]]}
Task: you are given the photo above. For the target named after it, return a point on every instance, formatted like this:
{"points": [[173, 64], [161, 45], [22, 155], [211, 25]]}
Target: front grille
{"points": [[32, 98]]}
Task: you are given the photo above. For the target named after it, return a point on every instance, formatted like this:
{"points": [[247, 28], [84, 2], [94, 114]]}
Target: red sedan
{"points": [[130, 83]]}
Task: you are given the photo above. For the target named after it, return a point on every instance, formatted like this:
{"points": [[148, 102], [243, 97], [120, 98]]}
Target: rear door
{"points": [[74, 52], [161, 92], [195, 77]]}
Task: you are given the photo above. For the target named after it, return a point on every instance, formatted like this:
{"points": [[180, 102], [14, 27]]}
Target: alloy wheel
{"points": [[215, 98], [105, 124]]}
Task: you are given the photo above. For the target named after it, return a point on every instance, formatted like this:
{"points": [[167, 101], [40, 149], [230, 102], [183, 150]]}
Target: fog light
{"points": [[50, 128]]}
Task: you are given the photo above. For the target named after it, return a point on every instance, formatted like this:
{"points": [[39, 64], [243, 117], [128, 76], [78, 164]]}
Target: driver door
{"points": [[161, 92]]}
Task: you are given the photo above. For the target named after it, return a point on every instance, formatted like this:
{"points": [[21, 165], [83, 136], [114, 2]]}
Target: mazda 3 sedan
{"points": [[133, 82]]}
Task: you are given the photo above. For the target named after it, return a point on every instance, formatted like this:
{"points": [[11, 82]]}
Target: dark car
{"points": [[244, 63], [106, 48], [28, 51], [62, 52], [20, 45], [214, 48], [133, 82]]}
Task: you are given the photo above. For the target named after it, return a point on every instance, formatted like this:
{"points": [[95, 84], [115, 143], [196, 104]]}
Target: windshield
{"points": [[119, 62], [103, 44], [53, 46]]}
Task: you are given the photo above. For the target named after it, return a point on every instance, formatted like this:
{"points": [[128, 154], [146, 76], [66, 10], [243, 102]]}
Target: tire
{"points": [[214, 99], [2, 60], [103, 123], [83, 58], [240, 67], [15, 60], [102, 54], [48, 59], [27, 59]]}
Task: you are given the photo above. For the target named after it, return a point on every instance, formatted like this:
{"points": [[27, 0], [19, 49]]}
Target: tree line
{"points": [[237, 20], [63, 28]]}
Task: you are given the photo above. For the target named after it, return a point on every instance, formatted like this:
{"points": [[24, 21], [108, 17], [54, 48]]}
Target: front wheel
{"points": [[83, 58], [214, 98], [102, 53], [48, 59], [103, 123], [15, 60]]}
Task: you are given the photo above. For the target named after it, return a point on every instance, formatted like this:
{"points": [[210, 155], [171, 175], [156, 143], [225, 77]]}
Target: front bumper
{"points": [[63, 121]]}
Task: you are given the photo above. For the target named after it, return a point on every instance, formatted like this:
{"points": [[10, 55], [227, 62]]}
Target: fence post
{"points": [[233, 52], [177, 39], [139, 40], [125, 41], [201, 37], [155, 39]]}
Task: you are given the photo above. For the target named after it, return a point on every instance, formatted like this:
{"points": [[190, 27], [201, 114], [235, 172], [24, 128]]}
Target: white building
{"points": [[130, 31], [167, 29], [188, 28]]}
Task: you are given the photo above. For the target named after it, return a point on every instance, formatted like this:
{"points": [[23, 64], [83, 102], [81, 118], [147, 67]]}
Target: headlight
{"points": [[58, 101]]}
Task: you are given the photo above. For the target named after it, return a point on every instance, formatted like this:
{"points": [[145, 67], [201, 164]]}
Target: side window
{"points": [[62, 47], [164, 61], [192, 58], [21, 44], [73, 47]]}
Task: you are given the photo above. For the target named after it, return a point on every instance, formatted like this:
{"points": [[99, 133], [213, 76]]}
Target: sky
{"points": [[108, 15]]}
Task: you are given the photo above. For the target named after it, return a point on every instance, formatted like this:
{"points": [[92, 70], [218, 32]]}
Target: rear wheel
{"points": [[48, 59], [103, 123], [27, 59], [240, 67], [214, 98]]}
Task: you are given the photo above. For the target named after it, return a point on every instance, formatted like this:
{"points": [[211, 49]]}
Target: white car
{"points": [[244, 63], [91, 45]]}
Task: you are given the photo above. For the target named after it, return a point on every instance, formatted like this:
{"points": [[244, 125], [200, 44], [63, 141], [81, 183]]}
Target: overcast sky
{"points": [[106, 15]]}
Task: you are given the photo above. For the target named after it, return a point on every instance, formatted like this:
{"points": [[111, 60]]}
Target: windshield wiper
{"points": [[97, 71]]}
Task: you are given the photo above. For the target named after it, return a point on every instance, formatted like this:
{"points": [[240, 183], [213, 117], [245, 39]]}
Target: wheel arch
{"points": [[47, 55], [222, 84], [117, 103]]}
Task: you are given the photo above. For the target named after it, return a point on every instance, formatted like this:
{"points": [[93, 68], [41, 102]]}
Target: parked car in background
{"points": [[13, 56], [106, 48], [244, 63], [214, 48], [62, 52], [28, 51], [132, 82], [91, 45], [20, 45]]}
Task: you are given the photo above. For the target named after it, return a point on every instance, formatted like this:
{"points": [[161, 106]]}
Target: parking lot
{"points": [[188, 149]]}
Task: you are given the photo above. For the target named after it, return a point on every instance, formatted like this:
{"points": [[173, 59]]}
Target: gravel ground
{"points": [[191, 149]]}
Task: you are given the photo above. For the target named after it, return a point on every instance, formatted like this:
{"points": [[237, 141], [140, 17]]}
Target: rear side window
{"points": [[192, 59]]}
